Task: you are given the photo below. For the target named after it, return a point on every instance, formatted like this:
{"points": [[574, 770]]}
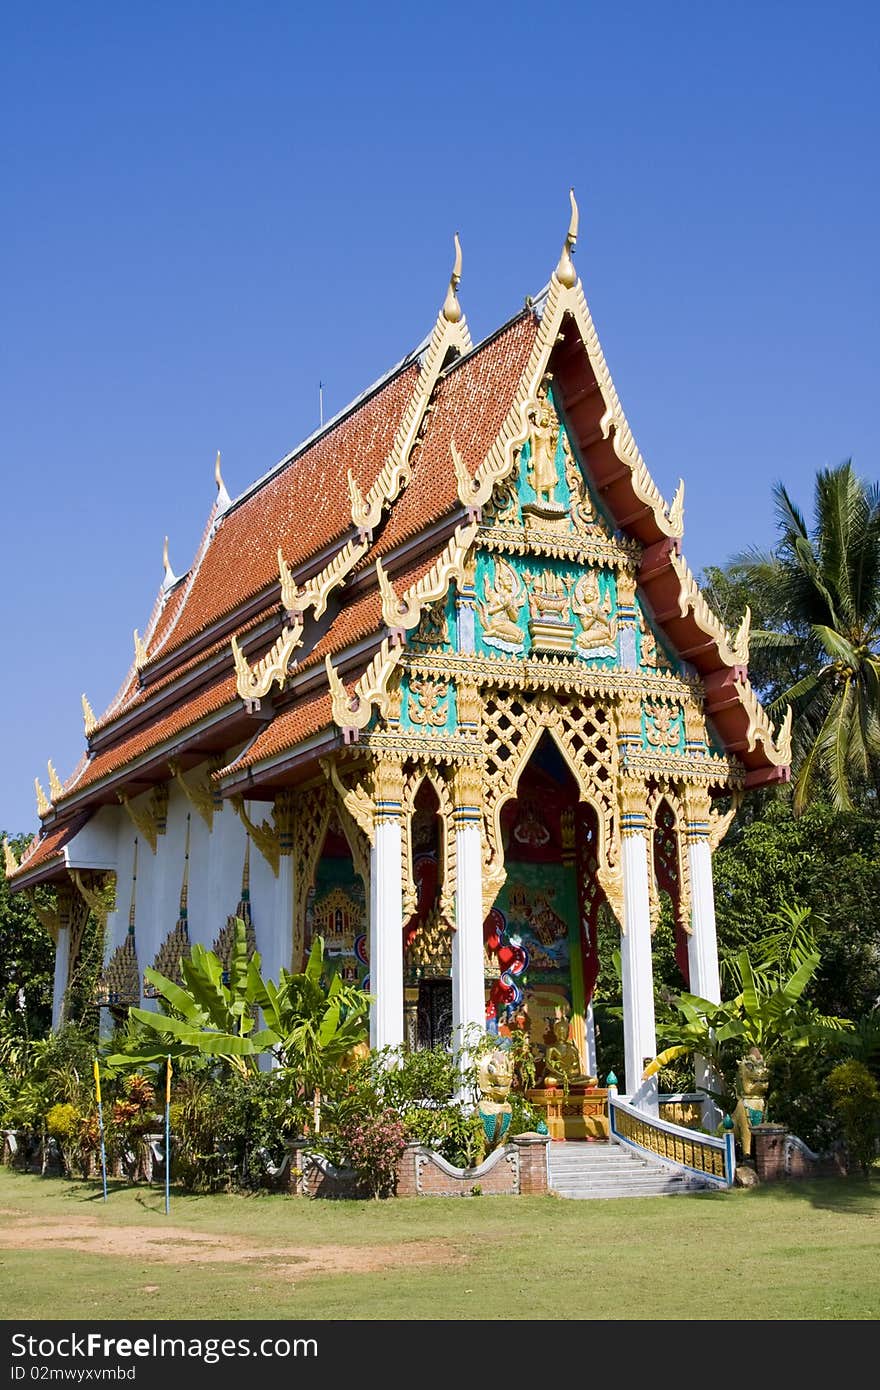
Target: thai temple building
{"points": [[439, 686]]}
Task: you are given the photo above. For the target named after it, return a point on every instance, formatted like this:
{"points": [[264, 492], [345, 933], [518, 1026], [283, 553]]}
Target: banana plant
{"points": [[767, 1011], [204, 1017], [309, 1021]]}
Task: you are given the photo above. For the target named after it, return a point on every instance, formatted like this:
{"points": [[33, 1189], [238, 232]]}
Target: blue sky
{"points": [[206, 209]]}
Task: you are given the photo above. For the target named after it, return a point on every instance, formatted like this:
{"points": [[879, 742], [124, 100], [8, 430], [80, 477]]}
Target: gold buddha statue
{"points": [[562, 1062]]}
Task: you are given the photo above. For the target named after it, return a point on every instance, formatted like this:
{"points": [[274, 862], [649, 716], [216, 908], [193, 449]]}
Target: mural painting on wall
{"points": [[337, 910], [532, 933]]}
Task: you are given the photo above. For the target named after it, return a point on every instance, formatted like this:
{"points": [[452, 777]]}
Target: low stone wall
{"points": [[779, 1155], [515, 1169]]}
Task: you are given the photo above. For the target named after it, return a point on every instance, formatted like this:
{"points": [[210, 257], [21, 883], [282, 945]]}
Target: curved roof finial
{"points": [[451, 306], [223, 498], [170, 577], [565, 271]]}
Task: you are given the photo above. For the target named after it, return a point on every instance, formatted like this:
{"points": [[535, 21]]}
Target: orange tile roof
{"points": [[45, 847], [303, 507]]}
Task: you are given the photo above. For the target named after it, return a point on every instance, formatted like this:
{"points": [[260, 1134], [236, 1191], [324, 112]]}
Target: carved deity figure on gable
{"points": [[542, 474], [598, 635], [500, 608]]}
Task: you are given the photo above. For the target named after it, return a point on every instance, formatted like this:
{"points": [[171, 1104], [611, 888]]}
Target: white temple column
{"points": [[705, 978], [62, 968], [468, 971], [639, 1035], [386, 910]]}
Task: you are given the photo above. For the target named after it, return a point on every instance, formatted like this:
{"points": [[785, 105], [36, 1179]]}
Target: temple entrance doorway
{"points": [[427, 932], [542, 933], [336, 909]]}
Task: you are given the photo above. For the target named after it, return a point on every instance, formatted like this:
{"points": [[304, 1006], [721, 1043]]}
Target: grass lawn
{"points": [[808, 1250]]}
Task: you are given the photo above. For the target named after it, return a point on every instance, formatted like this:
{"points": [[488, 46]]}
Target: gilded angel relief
{"points": [[598, 635], [500, 608]]}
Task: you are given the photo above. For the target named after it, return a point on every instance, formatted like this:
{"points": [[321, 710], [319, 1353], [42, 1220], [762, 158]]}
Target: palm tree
{"points": [[821, 593]]}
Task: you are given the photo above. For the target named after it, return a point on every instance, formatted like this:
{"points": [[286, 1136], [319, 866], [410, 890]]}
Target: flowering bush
{"points": [[371, 1145]]}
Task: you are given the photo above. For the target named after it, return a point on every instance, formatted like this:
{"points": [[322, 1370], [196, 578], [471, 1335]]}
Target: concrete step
{"points": [[581, 1171]]}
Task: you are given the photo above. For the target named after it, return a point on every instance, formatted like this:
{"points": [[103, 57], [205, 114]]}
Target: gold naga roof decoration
{"points": [[450, 334]]}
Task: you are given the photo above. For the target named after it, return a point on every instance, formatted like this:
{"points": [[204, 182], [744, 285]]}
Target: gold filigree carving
{"points": [[150, 819], [404, 614], [720, 823], [354, 797], [468, 705], [355, 711], [775, 741], [741, 640], [313, 811], [430, 704], [200, 795], [432, 632], [676, 511], [253, 682], [265, 836], [98, 892], [662, 725]]}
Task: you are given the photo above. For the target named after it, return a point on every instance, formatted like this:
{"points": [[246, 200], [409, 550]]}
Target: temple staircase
{"points": [[581, 1169]]}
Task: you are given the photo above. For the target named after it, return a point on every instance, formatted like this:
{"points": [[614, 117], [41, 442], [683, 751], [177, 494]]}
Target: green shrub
{"points": [[855, 1098], [62, 1122], [371, 1146]]}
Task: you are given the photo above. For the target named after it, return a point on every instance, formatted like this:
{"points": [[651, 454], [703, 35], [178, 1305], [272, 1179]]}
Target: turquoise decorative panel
{"points": [[427, 705], [663, 728], [532, 605]]}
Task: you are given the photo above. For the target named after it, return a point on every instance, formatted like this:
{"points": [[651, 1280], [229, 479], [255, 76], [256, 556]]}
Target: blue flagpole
{"points": [[168, 1139], [101, 1128]]}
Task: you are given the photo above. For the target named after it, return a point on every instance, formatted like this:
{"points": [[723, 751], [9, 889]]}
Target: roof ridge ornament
{"points": [[43, 804], [451, 306], [224, 501], [10, 863], [55, 788], [565, 271], [89, 719], [170, 577]]}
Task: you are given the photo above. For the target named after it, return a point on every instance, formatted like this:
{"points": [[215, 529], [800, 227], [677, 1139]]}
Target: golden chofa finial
{"points": [[10, 863], [223, 498], [43, 805], [89, 719], [169, 577], [451, 306], [140, 650], [565, 271], [55, 787]]}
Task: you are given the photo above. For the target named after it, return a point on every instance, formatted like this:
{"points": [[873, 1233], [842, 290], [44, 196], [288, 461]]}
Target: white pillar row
{"points": [[62, 969], [386, 909], [468, 971], [639, 1035], [705, 978]]}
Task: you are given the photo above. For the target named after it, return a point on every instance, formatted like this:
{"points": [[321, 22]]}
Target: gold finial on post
{"points": [[43, 805], [10, 863], [223, 498], [55, 787], [451, 306], [565, 271], [89, 719], [169, 577]]}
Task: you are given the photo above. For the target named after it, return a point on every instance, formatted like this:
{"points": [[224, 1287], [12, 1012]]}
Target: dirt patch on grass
{"points": [[179, 1245]]}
